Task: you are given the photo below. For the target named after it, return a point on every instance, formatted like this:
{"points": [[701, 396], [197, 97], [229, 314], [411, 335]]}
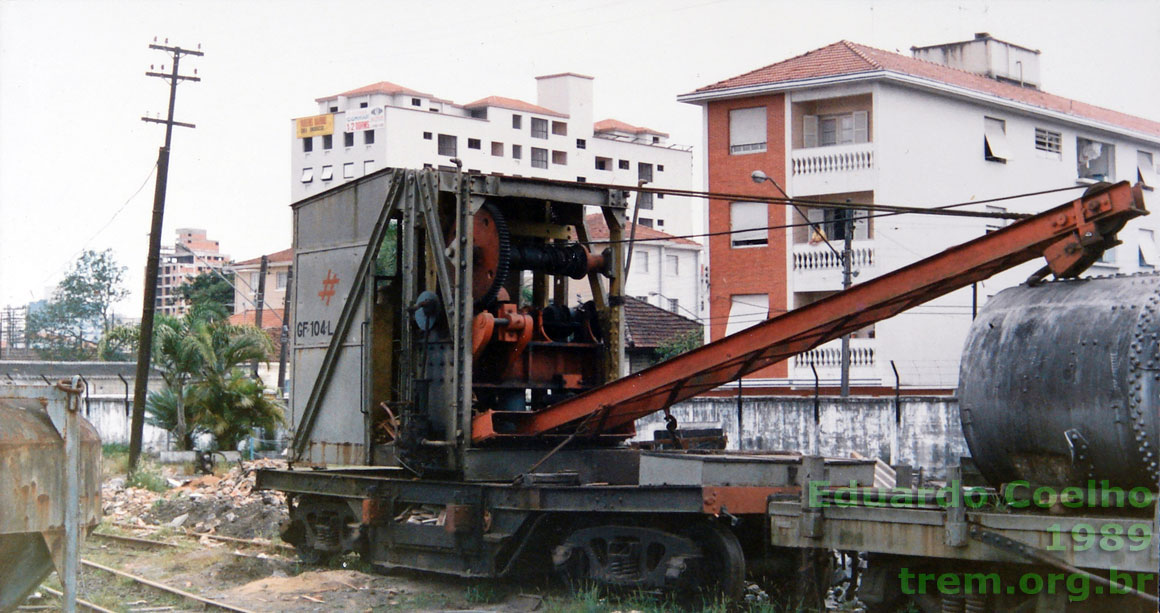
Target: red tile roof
{"points": [[650, 326], [615, 125], [285, 255], [847, 58], [382, 87], [598, 231], [513, 104]]}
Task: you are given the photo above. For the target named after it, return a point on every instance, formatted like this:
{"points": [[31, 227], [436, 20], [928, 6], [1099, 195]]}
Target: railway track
{"points": [[169, 589], [257, 544]]}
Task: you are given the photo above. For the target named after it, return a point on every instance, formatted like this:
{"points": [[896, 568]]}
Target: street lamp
{"points": [[759, 176]]}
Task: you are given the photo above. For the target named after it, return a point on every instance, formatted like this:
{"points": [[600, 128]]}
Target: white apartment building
{"points": [[386, 125], [964, 122]]}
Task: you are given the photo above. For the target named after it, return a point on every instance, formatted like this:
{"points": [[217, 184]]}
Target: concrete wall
{"points": [[930, 436], [109, 416]]}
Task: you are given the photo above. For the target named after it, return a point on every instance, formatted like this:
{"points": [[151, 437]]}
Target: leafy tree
{"points": [[679, 344], [161, 411], [388, 251], [80, 314], [210, 288], [119, 344]]}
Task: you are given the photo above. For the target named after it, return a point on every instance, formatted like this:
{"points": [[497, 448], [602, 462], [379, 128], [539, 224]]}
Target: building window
{"points": [[308, 144], [559, 128], [747, 130], [1145, 169], [603, 164], [660, 196], [560, 158], [644, 201], [416, 102], [623, 165], [362, 105], [1051, 142], [448, 145], [328, 141], [254, 281], [840, 129], [674, 262], [334, 109], [581, 143], [327, 173], [426, 136], [642, 257], [517, 122], [280, 280], [368, 167], [1094, 160], [307, 175], [368, 137], [660, 167], [1149, 255], [348, 170], [746, 310], [539, 128], [348, 139], [748, 223], [517, 152], [660, 223], [645, 222], [473, 143], [644, 172], [995, 140], [581, 180], [674, 305], [539, 158], [830, 223]]}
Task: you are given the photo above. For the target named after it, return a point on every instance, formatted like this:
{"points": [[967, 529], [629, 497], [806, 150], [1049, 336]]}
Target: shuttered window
{"points": [[748, 223], [995, 140], [746, 311], [1145, 169], [841, 129], [747, 132]]}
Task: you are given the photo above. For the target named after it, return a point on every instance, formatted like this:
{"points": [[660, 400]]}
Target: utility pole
{"points": [[261, 301], [145, 344], [285, 332], [847, 280]]}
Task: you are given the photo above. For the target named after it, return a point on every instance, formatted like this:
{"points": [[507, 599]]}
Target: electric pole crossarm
{"points": [[176, 50], [169, 76], [163, 121]]}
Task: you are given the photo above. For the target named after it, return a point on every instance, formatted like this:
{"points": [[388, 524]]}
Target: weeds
{"points": [[483, 593], [147, 478]]}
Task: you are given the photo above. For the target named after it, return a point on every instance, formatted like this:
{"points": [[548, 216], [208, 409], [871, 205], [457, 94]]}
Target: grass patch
{"points": [[484, 593], [148, 477]]}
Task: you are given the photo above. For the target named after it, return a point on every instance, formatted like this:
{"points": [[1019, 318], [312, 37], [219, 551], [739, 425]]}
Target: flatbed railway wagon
{"points": [[455, 412]]}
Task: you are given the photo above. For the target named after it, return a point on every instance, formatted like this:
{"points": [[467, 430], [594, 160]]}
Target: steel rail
{"points": [[215, 537], [164, 588], [84, 603]]}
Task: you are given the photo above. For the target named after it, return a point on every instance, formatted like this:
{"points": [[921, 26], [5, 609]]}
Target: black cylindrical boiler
{"points": [[1060, 383]]}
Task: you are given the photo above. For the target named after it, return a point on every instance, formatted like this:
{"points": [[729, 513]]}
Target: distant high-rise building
{"points": [[191, 255]]}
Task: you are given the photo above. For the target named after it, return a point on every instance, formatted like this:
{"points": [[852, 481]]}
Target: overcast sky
{"points": [[74, 152]]}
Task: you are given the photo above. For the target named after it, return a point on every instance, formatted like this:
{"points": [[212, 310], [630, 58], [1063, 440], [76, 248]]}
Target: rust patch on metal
{"points": [[740, 500]]}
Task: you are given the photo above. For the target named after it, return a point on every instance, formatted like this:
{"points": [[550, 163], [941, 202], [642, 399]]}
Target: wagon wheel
{"points": [[723, 564]]}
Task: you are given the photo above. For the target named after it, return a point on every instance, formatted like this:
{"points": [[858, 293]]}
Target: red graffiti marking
{"points": [[328, 285]]}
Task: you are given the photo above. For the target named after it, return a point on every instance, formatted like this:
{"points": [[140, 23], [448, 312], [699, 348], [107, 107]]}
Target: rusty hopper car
{"points": [[38, 528], [473, 419]]}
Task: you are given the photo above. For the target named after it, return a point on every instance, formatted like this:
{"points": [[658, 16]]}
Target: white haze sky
{"points": [[73, 149]]}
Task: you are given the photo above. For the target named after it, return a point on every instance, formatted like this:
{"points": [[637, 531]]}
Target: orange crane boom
{"points": [[1070, 237]]}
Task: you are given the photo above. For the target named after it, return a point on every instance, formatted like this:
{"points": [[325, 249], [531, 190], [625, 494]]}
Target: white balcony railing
{"points": [[819, 257], [863, 356], [833, 159]]}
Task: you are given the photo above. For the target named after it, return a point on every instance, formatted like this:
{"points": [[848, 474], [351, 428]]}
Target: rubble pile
{"points": [[227, 505]]}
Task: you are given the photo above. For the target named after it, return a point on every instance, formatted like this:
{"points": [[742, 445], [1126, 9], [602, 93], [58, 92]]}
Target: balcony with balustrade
{"points": [[827, 360], [817, 268], [834, 168]]}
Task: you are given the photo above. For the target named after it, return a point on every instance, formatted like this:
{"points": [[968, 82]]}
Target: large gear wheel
{"points": [[492, 251]]}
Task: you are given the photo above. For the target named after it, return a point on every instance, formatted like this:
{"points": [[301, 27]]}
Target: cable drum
{"points": [[1060, 383]]}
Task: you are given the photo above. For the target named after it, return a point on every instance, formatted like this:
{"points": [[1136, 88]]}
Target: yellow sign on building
{"points": [[318, 125]]}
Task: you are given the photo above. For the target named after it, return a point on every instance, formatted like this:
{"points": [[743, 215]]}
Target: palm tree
{"points": [[229, 402], [177, 357]]}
